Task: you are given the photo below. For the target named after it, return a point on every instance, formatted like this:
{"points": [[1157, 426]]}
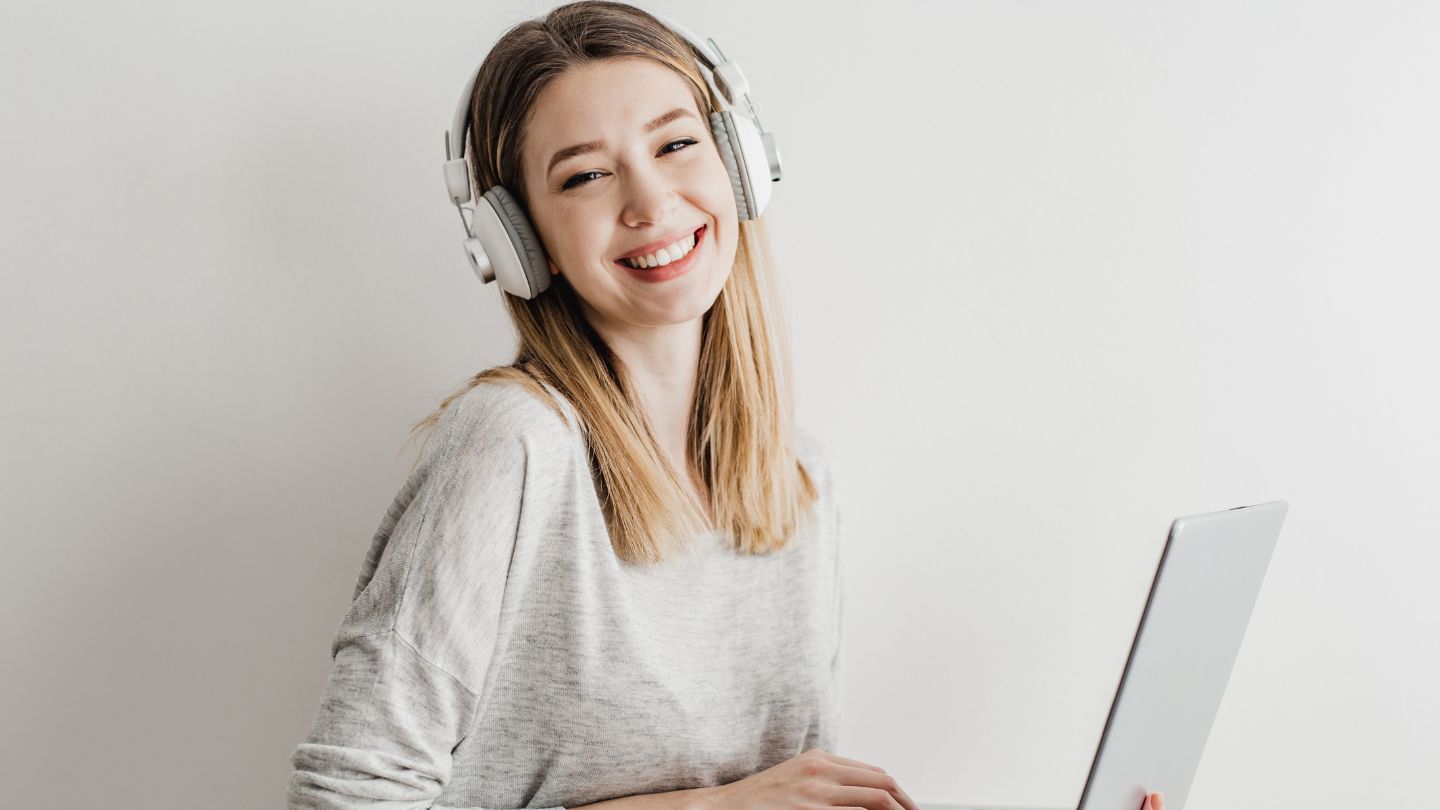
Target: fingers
{"points": [[865, 777], [854, 763], [900, 795], [863, 797], [905, 800]]}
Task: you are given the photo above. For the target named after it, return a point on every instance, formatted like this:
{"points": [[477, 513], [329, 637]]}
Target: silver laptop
{"points": [[1188, 636]]}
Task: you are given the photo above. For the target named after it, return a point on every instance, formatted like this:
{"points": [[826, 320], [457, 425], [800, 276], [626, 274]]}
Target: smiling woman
{"points": [[614, 575]]}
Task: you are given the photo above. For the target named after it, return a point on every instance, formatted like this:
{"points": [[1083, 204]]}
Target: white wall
{"points": [[1056, 272]]}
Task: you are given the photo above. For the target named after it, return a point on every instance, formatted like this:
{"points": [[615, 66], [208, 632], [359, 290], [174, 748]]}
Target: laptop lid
{"points": [[1189, 634], [1185, 645]]}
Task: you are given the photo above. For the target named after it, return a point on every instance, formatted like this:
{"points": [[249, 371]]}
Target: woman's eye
{"points": [[684, 141], [576, 181], [584, 177]]}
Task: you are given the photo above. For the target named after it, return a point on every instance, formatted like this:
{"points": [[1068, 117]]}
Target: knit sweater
{"points": [[497, 653]]}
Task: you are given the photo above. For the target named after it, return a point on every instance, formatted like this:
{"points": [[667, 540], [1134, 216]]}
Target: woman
{"points": [[614, 578]]}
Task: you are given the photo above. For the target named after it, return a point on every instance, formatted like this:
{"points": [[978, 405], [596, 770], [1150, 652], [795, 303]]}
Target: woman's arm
{"points": [[410, 655]]}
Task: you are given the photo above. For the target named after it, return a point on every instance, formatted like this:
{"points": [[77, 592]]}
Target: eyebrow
{"points": [[592, 146]]}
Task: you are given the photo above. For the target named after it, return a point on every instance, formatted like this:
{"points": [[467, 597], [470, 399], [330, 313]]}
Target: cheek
{"points": [[574, 237], [723, 190], [710, 181]]}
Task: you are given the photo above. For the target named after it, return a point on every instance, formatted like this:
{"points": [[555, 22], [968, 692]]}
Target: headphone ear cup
{"points": [[742, 149], [529, 274], [727, 146]]}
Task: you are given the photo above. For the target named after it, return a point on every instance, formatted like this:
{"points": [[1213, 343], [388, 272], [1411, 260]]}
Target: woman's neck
{"points": [[663, 362]]}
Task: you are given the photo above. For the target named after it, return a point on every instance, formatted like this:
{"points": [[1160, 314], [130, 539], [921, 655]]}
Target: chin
{"points": [[679, 313]]}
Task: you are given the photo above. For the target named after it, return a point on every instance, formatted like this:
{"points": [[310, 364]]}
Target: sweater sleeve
{"points": [[411, 655]]}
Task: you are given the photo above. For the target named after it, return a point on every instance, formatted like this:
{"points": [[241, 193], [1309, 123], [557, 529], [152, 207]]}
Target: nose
{"points": [[650, 197]]}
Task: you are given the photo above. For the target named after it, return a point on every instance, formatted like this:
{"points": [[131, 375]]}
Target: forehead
{"points": [[609, 100]]}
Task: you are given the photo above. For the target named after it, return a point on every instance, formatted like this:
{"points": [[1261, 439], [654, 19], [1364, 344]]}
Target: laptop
{"points": [[1189, 634]]}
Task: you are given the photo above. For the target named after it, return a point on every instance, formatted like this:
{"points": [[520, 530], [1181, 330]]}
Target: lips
{"points": [[675, 269], [651, 247]]}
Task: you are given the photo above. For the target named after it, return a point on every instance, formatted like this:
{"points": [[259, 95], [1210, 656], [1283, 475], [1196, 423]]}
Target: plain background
{"points": [[1056, 274]]}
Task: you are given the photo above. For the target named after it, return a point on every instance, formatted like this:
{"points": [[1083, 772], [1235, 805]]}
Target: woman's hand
{"points": [[816, 777], [1154, 801]]}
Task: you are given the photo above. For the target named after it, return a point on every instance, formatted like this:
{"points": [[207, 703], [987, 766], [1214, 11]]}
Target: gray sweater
{"points": [[498, 654]]}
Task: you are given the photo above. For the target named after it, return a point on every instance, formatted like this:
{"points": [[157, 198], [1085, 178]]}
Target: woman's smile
{"points": [[674, 268]]}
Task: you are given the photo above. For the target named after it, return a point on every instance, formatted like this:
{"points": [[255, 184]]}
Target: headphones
{"points": [[499, 239]]}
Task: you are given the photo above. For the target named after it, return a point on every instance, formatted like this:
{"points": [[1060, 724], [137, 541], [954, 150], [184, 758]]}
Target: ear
{"points": [[554, 271]]}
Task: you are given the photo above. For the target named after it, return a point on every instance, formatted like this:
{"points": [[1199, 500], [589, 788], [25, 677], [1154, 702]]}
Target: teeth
{"points": [[664, 255]]}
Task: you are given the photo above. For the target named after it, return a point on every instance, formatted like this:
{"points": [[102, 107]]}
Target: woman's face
{"points": [[633, 188]]}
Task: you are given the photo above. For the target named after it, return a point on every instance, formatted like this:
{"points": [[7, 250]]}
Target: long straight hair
{"points": [[741, 431]]}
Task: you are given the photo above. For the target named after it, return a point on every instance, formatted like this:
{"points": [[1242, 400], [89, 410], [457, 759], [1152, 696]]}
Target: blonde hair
{"points": [[741, 431]]}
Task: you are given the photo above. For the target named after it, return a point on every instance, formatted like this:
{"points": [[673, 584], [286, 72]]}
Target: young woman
{"points": [[614, 575]]}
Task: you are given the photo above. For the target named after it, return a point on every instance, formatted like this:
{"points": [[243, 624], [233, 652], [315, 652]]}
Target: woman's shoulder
{"points": [[496, 413]]}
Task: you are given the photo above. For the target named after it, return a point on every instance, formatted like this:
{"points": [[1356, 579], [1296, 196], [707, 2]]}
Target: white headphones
{"points": [[500, 241]]}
